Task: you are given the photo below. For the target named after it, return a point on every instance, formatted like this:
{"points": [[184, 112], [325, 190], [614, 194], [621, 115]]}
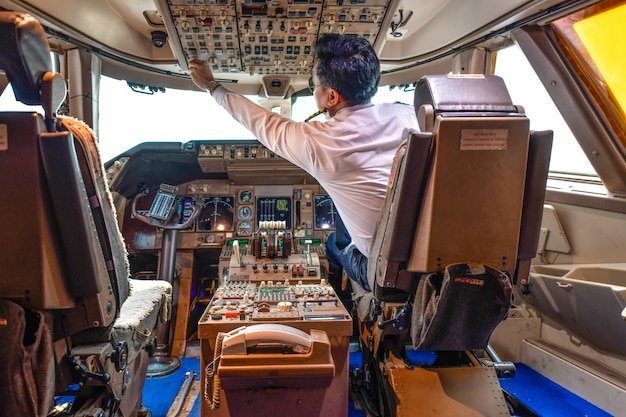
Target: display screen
{"points": [[184, 209], [325, 212], [217, 213], [274, 209]]}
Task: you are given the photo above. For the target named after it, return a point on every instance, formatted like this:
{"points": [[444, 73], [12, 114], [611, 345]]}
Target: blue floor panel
{"points": [[546, 398], [537, 393], [158, 393]]}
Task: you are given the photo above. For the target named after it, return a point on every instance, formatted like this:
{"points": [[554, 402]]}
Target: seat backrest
{"points": [[65, 251], [467, 189]]}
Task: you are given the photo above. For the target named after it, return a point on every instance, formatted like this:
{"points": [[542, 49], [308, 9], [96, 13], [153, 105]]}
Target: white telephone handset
{"points": [[238, 341]]}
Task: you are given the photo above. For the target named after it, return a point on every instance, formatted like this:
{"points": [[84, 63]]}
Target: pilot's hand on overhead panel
{"points": [[201, 74]]}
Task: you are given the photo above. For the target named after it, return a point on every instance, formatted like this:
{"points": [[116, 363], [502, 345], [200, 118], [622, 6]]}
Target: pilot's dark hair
{"points": [[349, 65]]}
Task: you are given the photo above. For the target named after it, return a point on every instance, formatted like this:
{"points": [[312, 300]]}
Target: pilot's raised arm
{"points": [[351, 153]]}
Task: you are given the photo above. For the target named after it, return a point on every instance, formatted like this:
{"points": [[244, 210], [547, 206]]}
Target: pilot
{"points": [[350, 154]]}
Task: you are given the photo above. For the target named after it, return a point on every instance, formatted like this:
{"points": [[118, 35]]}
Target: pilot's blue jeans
{"points": [[347, 256]]}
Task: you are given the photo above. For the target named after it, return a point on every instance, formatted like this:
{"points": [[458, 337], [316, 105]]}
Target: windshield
{"points": [[128, 118]]}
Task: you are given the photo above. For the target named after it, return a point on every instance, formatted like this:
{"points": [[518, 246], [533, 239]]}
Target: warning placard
{"points": [[484, 139]]}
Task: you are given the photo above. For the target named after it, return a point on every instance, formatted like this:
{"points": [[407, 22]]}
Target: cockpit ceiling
{"points": [[245, 40]]}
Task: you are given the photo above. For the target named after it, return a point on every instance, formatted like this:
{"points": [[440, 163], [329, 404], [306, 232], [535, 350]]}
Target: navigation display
{"points": [[274, 209], [325, 212], [217, 213]]}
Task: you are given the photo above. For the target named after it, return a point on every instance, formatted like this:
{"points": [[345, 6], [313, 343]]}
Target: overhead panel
{"points": [[268, 37]]}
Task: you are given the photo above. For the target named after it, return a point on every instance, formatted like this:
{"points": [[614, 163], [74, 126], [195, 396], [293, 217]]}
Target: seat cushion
{"points": [[148, 301]]}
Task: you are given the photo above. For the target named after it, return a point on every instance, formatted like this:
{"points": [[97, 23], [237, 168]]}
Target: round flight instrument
{"points": [[244, 229], [245, 212], [245, 196]]}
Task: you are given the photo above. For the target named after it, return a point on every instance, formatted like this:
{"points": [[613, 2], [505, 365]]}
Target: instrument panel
{"points": [[243, 192], [238, 211]]}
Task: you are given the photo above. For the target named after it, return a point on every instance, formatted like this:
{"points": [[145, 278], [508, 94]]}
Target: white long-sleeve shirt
{"points": [[350, 154]]}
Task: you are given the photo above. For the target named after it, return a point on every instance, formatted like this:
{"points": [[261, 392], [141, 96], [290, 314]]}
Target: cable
{"points": [[394, 26], [212, 385]]}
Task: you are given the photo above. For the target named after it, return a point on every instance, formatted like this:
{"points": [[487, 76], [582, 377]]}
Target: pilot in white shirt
{"points": [[351, 153]]}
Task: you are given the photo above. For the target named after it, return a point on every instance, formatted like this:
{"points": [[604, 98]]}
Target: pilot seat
{"points": [[74, 329], [459, 227]]}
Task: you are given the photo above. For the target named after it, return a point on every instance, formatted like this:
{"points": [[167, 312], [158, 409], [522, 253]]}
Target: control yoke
{"points": [[163, 213], [166, 213]]}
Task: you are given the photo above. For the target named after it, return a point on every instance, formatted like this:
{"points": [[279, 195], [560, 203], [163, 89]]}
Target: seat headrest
{"points": [[24, 55], [458, 93]]}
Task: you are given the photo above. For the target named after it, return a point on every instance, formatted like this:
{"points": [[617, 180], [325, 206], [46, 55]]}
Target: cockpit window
{"points": [[128, 118], [527, 90], [304, 106]]}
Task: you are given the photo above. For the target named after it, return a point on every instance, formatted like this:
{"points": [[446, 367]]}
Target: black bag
{"points": [[459, 308]]}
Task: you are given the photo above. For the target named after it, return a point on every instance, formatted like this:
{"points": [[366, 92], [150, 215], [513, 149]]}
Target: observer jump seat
{"points": [[458, 228], [73, 321], [462, 216]]}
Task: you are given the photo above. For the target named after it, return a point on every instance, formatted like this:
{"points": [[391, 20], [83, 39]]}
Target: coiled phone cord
{"points": [[212, 385]]}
